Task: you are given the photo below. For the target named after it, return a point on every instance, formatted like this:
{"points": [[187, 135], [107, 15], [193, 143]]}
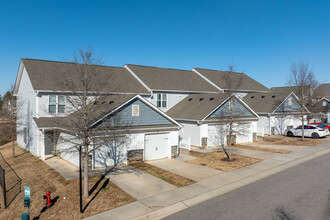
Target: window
{"points": [[290, 101], [61, 104], [324, 103], [56, 104], [52, 103], [135, 110], [162, 100]]}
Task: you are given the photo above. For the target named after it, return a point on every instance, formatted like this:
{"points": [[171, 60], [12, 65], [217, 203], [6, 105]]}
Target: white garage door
{"points": [[157, 146]]}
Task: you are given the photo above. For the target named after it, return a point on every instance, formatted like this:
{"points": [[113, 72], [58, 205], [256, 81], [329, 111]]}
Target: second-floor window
{"points": [[162, 100], [56, 104]]}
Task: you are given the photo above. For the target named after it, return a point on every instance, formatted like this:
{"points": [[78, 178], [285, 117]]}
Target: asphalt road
{"points": [[301, 192]]}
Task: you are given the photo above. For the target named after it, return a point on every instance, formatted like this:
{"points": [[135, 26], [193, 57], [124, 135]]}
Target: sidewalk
{"points": [[169, 202]]}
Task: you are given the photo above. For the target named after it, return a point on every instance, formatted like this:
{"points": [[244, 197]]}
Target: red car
{"points": [[321, 124]]}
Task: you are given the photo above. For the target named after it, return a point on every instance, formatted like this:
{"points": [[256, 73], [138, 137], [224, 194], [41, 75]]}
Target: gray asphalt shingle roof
{"points": [[172, 79], [266, 102], [323, 90], [196, 106], [238, 81], [96, 110], [50, 75]]}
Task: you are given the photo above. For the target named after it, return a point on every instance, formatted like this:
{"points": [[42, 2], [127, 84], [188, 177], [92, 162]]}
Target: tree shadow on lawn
{"points": [[106, 182], [53, 201]]}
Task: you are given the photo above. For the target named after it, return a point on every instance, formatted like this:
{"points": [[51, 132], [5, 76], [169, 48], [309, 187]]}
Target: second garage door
{"points": [[157, 146]]}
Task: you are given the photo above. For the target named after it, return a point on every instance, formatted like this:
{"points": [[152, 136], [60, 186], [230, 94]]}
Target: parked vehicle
{"points": [[326, 129], [321, 124], [313, 131]]}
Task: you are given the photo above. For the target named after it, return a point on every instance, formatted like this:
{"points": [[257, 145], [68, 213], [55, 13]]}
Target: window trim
{"points": [[56, 104], [162, 100]]}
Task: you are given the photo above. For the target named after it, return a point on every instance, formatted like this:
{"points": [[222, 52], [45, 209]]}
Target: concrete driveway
{"points": [[137, 183], [191, 171], [262, 155]]}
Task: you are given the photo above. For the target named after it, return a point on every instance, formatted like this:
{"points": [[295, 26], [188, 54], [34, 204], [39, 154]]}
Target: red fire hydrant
{"points": [[49, 199]]}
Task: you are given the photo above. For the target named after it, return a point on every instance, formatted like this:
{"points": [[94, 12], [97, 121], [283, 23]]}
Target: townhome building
{"points": [[44, 109], [278, 110], [160, 110]]}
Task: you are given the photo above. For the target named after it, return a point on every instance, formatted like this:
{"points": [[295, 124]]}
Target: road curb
{"points": [[161, 213]]}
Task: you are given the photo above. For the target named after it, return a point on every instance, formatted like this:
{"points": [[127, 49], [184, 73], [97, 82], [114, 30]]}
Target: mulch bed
{"points": [[165, 175], [218, 160], [297, 141]]}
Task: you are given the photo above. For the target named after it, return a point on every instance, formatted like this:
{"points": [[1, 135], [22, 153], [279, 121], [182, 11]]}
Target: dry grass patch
{"points": [[218, 160], [165, 175], [298, 141], [40, 177], [263, 149]]}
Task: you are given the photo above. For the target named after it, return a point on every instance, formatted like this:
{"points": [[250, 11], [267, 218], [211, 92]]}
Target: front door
{"points": [[50, 141]]}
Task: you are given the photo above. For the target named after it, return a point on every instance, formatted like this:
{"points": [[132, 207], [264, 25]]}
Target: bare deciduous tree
{"points": [[8, 113], [229, 125], [85, 95], [303, 81]]}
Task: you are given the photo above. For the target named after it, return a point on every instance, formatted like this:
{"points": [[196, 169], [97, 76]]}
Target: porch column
{"points": [[42, 144]]}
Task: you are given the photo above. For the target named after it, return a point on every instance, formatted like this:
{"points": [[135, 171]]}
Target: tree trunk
{"points": [[302, 128], [230, 139], [86, 182], [13, 142]]}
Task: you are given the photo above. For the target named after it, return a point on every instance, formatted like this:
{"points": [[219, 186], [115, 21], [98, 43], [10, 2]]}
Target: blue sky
{"points": [[261, 38]]}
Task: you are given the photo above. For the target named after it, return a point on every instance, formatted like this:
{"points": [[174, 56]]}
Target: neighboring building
{"points": [[206, 117], [226, 81], [170, 86], [323, 91], [40, 91], [321, 111], [278, 110]]}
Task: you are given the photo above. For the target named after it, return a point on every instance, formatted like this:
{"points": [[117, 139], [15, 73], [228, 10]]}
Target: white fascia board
{"points": [[245, 91], [183, 119], [217, 107], [18, 78], [246, 105], [225, 120], [239, 100], [281, 103], [297, 99], [183, 91], [138, 78], [208, 80], [90, 93], [144, 101]]}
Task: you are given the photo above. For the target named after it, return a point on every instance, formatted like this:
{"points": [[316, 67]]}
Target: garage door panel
{"points": [[156, 146]]}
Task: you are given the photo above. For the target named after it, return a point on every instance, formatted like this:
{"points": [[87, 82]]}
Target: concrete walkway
{"points": [[137, 183], [169, 202], [191, 171], [67, 170]]}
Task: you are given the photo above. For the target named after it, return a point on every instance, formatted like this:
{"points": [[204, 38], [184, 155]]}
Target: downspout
{"points": [[270, 132]]}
